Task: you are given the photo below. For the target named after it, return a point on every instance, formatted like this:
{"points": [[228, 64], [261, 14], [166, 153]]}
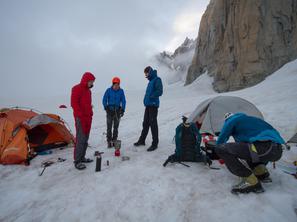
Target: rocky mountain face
{"points": [[178, 62], [240, 42]]}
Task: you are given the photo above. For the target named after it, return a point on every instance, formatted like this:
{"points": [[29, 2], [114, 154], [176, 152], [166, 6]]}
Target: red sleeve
{"points": [[75, 101]]}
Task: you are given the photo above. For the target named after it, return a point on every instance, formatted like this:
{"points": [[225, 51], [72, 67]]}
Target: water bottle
{"points": [[98, 163]]}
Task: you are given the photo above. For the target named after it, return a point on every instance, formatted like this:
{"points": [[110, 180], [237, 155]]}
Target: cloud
{"points": [[186, 23], [45, 46]]}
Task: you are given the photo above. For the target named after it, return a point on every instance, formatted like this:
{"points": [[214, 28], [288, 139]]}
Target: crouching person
{"points": [[256, 143]]}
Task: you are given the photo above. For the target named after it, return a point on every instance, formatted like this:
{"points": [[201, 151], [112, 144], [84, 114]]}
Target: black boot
{"points": [[80, 166], [152, 148], [139, 143], [86, 160]]}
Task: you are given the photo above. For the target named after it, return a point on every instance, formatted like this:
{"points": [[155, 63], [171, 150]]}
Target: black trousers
{"points": [[150, 121], [81, 142], [232, 152], [112, 121]]}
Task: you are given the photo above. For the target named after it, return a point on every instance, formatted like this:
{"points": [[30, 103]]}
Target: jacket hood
{"points": [[152, 74], [87, 76], [234, 116]]}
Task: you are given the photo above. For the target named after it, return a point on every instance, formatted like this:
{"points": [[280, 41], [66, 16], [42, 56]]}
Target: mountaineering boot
{"points": [[264, 178], [247, 185], [80, 166], [152, 148], [86, 160], [262, 173], [139, 143]]}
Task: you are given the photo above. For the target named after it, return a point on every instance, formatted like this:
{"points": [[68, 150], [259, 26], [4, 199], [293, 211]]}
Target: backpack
{"points": [[187, 142]]}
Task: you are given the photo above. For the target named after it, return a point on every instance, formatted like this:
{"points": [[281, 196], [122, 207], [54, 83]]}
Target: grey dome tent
{"points": [[210, 113], [293, 139]]}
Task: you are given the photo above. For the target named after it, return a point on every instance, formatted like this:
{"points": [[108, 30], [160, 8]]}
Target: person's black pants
{"points": [[112, 121], [232, 153], [150, 121]]}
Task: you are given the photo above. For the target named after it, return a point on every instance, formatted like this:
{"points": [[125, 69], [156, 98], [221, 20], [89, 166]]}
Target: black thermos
{"points": [[98, 163]]}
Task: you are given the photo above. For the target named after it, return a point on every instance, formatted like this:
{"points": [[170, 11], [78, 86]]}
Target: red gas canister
{"points": [[117, 152]]}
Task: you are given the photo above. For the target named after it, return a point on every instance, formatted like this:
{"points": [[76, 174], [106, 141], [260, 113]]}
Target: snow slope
{"points": [[141, 189]]}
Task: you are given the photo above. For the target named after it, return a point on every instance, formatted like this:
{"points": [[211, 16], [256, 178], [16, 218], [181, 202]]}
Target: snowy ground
{"points": [[141, 189]]}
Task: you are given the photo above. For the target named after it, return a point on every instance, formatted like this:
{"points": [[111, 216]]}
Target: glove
{"points": [[121, 112], [107, 109]]}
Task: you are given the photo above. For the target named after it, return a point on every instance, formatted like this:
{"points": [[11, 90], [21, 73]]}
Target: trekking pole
{"points": [[49, 163], [184, 164], [42, 171], [45, 165]]}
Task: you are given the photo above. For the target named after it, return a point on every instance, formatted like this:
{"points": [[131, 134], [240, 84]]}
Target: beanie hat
{"points": [[116, 80]]}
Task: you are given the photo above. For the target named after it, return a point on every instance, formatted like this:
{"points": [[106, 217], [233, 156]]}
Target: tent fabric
{"points": [[39, 120], [293, 139], [211, 112], [22, 132]]}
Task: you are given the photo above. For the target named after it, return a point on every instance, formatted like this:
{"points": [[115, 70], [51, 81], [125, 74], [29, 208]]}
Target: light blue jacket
{"points": [[248, 129]]}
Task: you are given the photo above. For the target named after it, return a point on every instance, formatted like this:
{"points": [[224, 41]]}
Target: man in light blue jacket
{"points": [[151, 102], [114, 103], [256, 142]]}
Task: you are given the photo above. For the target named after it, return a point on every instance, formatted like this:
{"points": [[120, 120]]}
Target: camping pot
{"points": [[124, 158], [117, 144]]}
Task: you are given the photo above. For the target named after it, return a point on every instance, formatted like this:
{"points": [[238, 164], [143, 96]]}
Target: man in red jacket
{"points": [[81, 103]]}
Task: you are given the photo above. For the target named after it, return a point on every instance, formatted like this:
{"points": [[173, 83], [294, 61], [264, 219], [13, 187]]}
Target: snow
{"points": [[141, 189]]}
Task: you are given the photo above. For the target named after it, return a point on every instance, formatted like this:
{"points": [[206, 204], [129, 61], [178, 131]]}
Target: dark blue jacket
{"points": [[248, 129], [154, 89], [114, 99]]}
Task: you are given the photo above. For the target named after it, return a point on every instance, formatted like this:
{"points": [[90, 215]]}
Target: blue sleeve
{"points": [[158, 89], [105, 98], [123, 100], [226, 132]]}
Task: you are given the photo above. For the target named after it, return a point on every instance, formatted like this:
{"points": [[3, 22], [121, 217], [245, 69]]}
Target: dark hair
{"points": [[147, 69]]}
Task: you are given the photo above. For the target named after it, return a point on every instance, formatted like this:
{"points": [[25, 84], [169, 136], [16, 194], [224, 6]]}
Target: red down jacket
{"points": [[81, 102]]}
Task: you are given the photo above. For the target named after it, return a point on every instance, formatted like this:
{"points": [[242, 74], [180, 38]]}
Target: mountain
{"points": [[241, 42], [177, 63]]}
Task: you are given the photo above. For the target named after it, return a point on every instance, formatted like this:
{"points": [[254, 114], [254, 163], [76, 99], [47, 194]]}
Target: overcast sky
{"points": [[46, 45]]}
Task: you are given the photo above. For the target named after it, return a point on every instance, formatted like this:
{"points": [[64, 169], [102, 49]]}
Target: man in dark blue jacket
{"points": [[256, 142], [114, 103], [151, 102]]}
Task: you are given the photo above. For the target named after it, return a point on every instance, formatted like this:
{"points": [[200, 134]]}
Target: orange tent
{"points": [[24, 132]]}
